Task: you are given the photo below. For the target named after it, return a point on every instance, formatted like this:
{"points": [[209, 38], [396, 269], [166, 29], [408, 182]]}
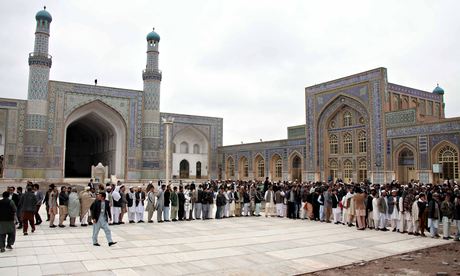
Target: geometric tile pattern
{"points": [[38, 83], [35, 121], [400, 118]]}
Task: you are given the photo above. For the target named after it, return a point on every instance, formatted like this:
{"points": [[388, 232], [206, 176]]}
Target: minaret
{"points": [[37, 105], [151, 120]]}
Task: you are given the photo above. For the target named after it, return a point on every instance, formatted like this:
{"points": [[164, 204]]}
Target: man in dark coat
{"points": [[181, 197], [28, 203], [7, 212], [100, 213]]}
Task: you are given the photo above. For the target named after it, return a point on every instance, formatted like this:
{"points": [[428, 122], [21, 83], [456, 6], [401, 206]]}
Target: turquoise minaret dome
{"points": [[438, 90], [153, 36], [44, 15]]}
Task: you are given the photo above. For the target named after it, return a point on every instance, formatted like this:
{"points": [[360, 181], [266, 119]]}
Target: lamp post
{"points": [[168, 123]]}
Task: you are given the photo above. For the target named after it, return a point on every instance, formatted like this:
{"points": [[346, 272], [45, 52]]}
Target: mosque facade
{"points": [[63, 128], [357, 128]]}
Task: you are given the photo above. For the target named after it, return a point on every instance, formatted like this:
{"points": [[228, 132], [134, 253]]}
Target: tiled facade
{"points": [[124, 124], [361, 127]]}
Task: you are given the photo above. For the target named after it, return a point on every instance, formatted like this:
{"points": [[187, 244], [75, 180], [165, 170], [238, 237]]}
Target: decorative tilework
{"points": [[35, 121], [362, 77], [414, 92], [38, 83], [151, 130], [400, 118], [377, 130], [451, 126], [75, 100]]}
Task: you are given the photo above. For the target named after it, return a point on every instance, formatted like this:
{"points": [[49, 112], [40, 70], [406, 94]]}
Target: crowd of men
{"points": [[412, 208]]}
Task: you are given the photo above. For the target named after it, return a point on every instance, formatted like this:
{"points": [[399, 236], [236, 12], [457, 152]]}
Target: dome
{"points": [[153, 36], [438, 90], [43, 15]]}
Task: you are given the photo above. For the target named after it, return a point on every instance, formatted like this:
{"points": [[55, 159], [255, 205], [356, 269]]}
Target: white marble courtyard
{"points": [[236, 246]]}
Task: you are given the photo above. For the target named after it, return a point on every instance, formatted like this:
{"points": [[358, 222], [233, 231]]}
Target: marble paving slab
{"points": [[235, 246]]}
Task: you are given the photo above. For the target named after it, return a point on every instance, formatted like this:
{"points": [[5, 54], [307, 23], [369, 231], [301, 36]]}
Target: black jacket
{"points": [[7, 210], [96, 210], [28, 202]]}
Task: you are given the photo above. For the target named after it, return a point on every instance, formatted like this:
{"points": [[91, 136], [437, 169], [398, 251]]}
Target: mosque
{"points": [[360, 127], [63, 128]]}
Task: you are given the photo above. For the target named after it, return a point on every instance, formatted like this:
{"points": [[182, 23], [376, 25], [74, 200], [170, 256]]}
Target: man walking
{"points": [[7, 212], [100, 213], [39, 195], [28, 204]]}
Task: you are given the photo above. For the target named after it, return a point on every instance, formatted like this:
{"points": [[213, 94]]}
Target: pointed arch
{"points": [[259, 166], [276, 167], [243, 167], [447, 154], [230, 168], [295, 166], [108, 130], [405, 162]]}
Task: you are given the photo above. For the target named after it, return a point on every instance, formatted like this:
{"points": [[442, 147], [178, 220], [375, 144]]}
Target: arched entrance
{"points": [[184, 169], [243, 169], [230, 169], [94, 133], [406, 166], [296, 168], [198, 170], [276, 167], [448, 158]]}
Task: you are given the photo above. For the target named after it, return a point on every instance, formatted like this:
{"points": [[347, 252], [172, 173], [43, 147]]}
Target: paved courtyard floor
{"points": [[235, 246]]}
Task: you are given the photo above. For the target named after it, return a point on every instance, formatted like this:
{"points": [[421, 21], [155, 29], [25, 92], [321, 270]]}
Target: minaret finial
{"points": [[153, 28], [44, 7]]}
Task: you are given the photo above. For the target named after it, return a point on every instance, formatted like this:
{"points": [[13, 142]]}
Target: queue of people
{"points": [[413, 208]]}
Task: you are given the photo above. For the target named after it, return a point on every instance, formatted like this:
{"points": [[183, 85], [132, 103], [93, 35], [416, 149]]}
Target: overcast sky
{"points": [[245, 61]]}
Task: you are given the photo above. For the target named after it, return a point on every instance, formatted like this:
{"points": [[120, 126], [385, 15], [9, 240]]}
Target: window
{"points": [[362, 142], [243, 167], [347, 119], [196, 149], [278, 168], [347, 143], [347, 170], [448, 158], [173, 148], [333, 167], [362, 170], [184, 147], [260, 168], [333, 144], [230, 168]]}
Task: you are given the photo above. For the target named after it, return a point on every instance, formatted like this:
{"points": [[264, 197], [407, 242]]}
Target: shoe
{"points": [[53, 226], [83, 225], [416, 234], [161, 221], [62, 226], [423, 235], [72, 225], [19, 227], [33, 230], [9, 247], [131, 221], [384, 229], [394, 230], [38, 222], [445, 238], [174, 220], [112, 243], [90, 223], [25, 233], [410, 233], [2, 250], [96, 244], [150, 221], [121, 222]]}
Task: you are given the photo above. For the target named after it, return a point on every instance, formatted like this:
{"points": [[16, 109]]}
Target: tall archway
{"points": [[198, 170], [296, 167], [184, 169], [94, 133]]}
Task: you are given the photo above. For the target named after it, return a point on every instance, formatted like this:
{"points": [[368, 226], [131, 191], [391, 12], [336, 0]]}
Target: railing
{"points": [[38, 54], [36, 58]]}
